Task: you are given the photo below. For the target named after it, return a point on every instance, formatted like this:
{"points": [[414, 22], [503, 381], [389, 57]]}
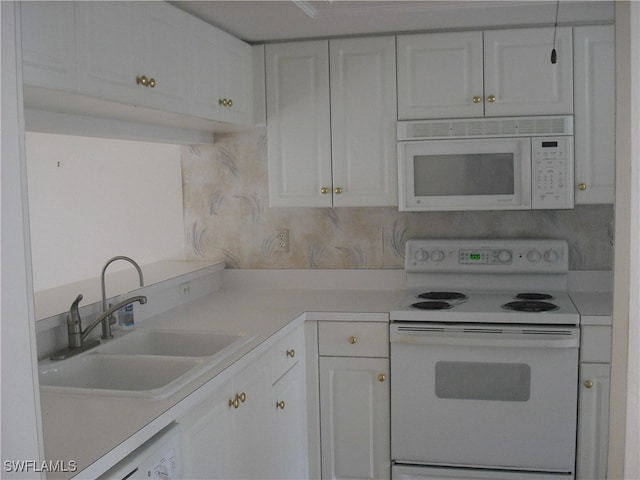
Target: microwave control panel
{"points": [[551, 172]]}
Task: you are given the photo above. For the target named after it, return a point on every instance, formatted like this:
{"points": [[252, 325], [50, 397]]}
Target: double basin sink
{"points": [[148, 364]]}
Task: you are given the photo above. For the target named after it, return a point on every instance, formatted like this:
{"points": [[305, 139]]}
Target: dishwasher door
{"points": [[160, 457]]}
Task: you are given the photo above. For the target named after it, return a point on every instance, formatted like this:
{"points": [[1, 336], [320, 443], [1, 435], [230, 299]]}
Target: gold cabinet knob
{"points": [[235, 402], [222, 102], [242, 397], [152, 82], [229, 102], [382, 377], [280, 404], [291, 353], [142, 80], [338, 190], [324, 190], [588, 383], [582, 186], [491, 98], [477, 99], [353, 340]]}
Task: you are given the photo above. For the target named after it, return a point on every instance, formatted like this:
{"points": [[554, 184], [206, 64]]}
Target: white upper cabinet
{"points": [[133, 53], [49, 44], [140, 54], [298, 124], [519, 78], [220, 75], [332, 150], [595, 102], [440, 75], [363, 122], [491, 73]]}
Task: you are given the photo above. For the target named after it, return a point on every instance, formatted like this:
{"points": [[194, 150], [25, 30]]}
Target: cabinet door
{"points": [[440, 75], [519, 78], [49, 45], [291, 425], [254, 422], [236, 79], [108, 51], [209, 438], [298, 124], [593, 421], [595, 102], [163, 45], [363, 122], [354, 418]]}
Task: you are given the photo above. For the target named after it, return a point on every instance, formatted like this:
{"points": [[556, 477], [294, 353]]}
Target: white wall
{"points": [[92, 198]]}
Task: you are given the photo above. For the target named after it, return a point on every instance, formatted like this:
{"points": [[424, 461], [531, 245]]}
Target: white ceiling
{"points": [[268, 20]]}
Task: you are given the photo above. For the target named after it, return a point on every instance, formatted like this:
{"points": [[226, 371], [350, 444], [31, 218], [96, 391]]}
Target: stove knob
{"points": [[421, 255], [504, 256], [551, 256], [437, 255], [534, 256]]}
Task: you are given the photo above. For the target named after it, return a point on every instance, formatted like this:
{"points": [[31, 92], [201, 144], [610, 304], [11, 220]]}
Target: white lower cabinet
{"points": [[354, 400], [250, 428]]}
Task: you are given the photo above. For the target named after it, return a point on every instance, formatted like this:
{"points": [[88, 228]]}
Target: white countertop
{"points": [[76, 428]]}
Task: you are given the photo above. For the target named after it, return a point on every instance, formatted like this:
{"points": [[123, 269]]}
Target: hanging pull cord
{"points": [[554, 55]]}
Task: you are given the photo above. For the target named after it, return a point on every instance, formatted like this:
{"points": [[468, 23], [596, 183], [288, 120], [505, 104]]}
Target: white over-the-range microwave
{"points": [[514, 163]]}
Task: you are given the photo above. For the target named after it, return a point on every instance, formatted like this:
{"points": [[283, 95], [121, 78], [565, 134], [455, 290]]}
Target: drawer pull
{"points": [[382, 377], [280, 404], [235, 402], [242, 397], [291, 353], [588, 383], [353, 340]]}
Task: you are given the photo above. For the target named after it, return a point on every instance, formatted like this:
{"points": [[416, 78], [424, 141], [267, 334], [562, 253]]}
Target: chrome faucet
{"points": [[77, 335], [107, 321]]}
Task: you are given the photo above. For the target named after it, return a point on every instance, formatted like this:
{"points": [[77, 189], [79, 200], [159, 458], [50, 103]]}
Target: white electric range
{"points": [[484, 362]]}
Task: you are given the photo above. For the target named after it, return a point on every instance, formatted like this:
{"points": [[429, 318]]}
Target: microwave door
{"points": [[466, 175]]}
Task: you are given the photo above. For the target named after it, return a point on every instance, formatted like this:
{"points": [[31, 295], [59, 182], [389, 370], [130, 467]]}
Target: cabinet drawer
{"points": [[353, 339], [595, 344], [287, 352]]}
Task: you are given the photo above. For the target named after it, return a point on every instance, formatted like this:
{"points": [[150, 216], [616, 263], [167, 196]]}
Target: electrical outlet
{"points": [[282, 241], [185, 289]]}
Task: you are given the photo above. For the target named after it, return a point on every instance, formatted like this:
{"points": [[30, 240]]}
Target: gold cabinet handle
{"points": [[324, 190], [491, 98], [242, 397], [588, 383], [353, 340], [382, 377], [142, 80], [291, 353], [280, 404], [152, 82], [477, 99], [582, 186], [338, 190], [235, 402]]}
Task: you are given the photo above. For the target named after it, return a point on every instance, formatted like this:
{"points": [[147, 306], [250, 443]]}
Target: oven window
{"points": [[463, 174], [509, 382]]}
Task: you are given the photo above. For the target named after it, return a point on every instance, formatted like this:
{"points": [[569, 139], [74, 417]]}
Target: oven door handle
{"points": [[569, 338]]}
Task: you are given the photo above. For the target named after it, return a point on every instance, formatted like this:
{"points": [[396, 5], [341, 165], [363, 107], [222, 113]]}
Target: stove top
{"points": [[487, 281]]}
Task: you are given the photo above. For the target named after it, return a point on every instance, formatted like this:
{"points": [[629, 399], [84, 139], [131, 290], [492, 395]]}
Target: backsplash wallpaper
{"points": [[227, 217]]}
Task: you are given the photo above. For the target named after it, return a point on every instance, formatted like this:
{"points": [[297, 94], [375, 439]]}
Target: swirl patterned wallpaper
{"points": [[227, 217]]}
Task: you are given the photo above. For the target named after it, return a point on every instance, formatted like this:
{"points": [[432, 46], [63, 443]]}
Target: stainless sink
{"points": [[149, 364]]}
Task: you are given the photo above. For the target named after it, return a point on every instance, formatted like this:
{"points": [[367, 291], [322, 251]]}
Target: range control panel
{"points": [[501, 256]]}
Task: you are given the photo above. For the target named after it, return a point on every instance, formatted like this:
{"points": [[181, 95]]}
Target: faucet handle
{"points": [[74, 324]]}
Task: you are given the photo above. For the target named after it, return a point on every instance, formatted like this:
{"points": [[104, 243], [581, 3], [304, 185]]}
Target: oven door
{"points": [[473, 174], [486, 396]]}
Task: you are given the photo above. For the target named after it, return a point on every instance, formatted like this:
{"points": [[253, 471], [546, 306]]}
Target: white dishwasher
{"points": [[160, 457]]}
